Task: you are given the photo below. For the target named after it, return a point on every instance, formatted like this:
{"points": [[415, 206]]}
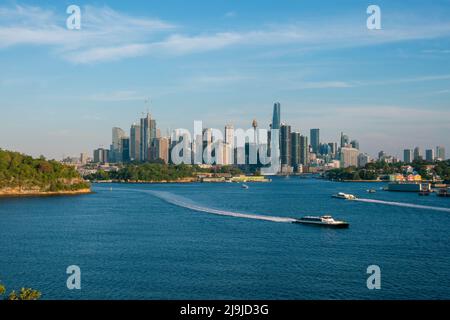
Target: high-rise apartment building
{"points": [[295, 150], [315, 140], [407, 155], [429, 155], [135, 142], [304, 150], [440, 153], [148, 135], [116, 147], [349, 157], [285, 147]]}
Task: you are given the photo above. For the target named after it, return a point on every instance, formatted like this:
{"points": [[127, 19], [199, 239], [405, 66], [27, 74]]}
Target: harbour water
{"points": [[220, 241]]}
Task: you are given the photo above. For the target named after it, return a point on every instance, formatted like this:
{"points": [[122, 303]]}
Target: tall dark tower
{"points": [[276, 120], [285, 145]]}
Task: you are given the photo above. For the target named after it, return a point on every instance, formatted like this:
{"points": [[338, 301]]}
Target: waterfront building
{"points": [[135, 142], [349, 157], [315, 140], [407, 155]]}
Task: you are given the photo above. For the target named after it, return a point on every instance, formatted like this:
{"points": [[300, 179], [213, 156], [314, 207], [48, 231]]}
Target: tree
{"points": [[24, 294]]}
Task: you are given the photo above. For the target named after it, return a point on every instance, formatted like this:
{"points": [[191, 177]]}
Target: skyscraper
{"points": [[101, 155], [363, 159], [116, 147], [417, 155], [148, 134], [135, 142], [440, 153], [315, 140], [125, 149], [285, 147], [429, 155], [333, 148], [355, 144], [407, 155], [344, 140], [349, 157], [276, 120], [304, 150], [295, 150], [162, 149]]}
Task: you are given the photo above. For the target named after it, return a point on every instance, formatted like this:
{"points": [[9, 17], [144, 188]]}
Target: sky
{"points": [[224, 61]]}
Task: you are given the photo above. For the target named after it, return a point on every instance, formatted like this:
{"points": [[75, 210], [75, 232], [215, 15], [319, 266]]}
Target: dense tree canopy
{"points": [[18, 170], [158, 172], [372, 170], [23, 294]]}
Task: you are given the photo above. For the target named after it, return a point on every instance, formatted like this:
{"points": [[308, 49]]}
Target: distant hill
{"points": [[24, 175]]}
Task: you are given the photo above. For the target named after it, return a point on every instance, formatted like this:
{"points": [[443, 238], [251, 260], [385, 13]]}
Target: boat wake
{"points": [[188, 204], [402, 204]]}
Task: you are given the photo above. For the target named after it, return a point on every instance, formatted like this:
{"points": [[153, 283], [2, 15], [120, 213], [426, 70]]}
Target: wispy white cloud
{"points": [[108, 35], [117, 96]]}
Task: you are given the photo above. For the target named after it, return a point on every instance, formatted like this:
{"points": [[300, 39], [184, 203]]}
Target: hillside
{"points": [[22, 175]]}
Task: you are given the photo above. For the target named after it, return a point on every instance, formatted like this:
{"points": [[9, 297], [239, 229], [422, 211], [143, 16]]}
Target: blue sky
{"points": [[222, 62]]}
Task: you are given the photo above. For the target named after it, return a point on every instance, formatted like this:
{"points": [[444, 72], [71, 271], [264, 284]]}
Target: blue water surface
{"points": [[130, 244]]}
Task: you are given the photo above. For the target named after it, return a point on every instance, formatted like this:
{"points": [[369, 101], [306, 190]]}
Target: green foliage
{"points": [[373, 170], [18, 170], [158, 172], [24, 294], [146, 172]]}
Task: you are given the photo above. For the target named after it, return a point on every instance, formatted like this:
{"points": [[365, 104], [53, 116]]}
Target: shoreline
{"points": [[34, 193]]}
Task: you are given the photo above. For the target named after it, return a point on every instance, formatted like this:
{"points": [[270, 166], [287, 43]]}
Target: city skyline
{"points": [[229, 147], [62, 90]]}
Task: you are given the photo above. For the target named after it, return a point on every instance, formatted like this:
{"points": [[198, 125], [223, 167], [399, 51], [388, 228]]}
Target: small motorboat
{"points": [[371, 191], [244, 186]]}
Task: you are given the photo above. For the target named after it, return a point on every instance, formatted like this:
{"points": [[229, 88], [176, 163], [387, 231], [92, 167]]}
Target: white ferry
{"points": [[344, 196], [325, 221]]}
